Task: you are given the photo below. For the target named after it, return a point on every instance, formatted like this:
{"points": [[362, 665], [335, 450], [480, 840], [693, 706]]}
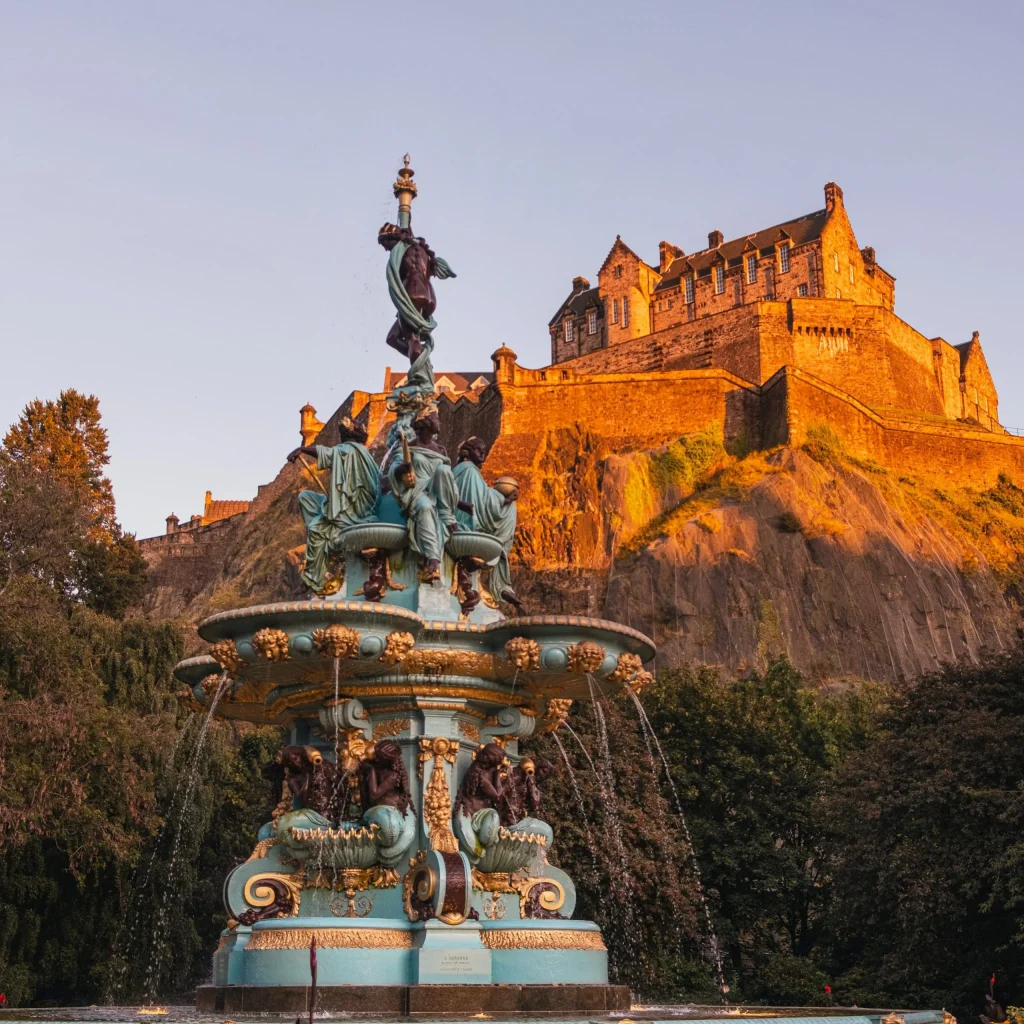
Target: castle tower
{"points": [[309, 425]]}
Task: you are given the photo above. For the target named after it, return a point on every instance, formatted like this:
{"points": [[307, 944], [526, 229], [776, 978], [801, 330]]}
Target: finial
{"points": [[405, 160], [405, 182]]}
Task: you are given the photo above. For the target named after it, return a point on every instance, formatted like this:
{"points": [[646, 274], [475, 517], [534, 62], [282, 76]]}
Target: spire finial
{"points": [[405, 192]]}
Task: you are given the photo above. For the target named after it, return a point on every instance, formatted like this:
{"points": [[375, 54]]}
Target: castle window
{"points": [[719, 279], [615, 311], [851, 273], [835, 261], [801, 290], [625, 311], [618, 270], [591, 321], [784, 257], [669, 303], [689, 289], [751, 269], [569, 332]]}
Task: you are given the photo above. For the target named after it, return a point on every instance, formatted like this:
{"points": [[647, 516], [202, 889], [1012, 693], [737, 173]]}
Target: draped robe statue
{"points": [[351, 498], [427, 496], [493, 512]]}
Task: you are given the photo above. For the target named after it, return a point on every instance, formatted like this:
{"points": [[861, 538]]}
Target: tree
{"points": [[926, 854]]}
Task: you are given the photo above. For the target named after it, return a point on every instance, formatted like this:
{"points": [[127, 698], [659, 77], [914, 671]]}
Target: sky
{"points": [[190, 192]]}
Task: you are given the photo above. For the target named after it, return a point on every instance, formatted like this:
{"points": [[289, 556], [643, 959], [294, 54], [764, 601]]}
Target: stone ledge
{"points": [[406, 1000]]}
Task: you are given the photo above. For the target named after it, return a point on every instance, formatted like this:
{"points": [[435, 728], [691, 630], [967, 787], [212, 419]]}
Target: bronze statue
{"points": [[521, 796], [383, 779], [310, 779], [483, 783]]}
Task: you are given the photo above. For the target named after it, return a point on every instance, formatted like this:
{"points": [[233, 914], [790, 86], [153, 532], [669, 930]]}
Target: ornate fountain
{"points": [[408, 837]]}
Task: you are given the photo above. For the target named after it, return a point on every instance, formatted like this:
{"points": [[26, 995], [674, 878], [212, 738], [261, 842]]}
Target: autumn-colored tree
{"points": [[65, 440]]}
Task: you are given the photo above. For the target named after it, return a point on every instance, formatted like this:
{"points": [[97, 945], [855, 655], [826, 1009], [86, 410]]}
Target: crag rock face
{"points": [[851, 570]]}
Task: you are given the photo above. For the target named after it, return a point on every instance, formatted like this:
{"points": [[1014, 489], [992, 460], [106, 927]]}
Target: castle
{"points": [[801, 293], [754, 341]]}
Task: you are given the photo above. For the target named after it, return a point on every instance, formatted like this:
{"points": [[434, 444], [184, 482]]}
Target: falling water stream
{"points": [[650, 735], [160, 946]]}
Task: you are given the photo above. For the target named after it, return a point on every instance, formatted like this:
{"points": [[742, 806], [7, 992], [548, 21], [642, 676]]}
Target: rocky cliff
{"points": [[730, 559]]}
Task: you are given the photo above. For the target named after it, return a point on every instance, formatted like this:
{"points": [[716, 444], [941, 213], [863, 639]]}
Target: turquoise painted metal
{"points": [[403, 681]]}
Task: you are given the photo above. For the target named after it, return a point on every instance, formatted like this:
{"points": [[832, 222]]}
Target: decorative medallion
{"points": [[271, 644], [585, 658], [336, 641], [523, 653]]}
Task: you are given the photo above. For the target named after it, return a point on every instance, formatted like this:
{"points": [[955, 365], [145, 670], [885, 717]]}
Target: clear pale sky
{"points": [[190, 192]]}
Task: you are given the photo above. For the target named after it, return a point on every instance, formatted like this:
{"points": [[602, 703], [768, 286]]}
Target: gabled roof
{"points": [[217, 510], [619, 246], [461, 382], [797, 232], [576, 303]]}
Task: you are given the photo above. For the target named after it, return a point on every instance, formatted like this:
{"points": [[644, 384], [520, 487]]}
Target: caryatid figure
{"points": [[351, 497], [425, 490], [490, 510]]}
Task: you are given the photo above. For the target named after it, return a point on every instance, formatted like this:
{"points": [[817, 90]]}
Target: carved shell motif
{"points": [[523, 653], [336, 641], [396, 647], [627, 666], [271, 644], [585, 657], [226, 655]]}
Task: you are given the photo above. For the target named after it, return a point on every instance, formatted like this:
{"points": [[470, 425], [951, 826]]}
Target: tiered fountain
{"points": [[408, 844]]}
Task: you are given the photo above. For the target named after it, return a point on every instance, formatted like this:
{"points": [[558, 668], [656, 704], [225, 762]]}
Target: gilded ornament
{"points": [[259, 893], [469, 730], [493, 881], [336, 641], [422, 880], [556, 714], [390, 727], [260, 850], [892, 1018], [550, 899], [396, 647], [225, 653], [523, 653], [212, 683], [271, 644], [642, 679], [553, 938], [330, 938], [437, 799], [585, 657], [625, 668], [449, 662]]}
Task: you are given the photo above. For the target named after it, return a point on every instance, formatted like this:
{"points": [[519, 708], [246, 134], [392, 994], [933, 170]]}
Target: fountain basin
{"points": [[374, 536], [470, 544]]}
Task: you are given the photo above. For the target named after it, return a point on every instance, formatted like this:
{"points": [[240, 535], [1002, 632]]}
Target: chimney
{"points": [[309, 425], [715, 239], [206, 506], [667, 252], [172, 524], [833, 196], [579, 284]]}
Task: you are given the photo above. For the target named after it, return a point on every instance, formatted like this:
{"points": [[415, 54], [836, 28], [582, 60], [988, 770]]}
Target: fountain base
{"points": [[405, 1000]]}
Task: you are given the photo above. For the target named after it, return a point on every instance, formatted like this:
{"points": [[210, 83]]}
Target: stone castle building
{"points": [[802, 293]]}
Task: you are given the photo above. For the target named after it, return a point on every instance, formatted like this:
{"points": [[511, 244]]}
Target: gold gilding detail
{"points": [[556, 714], [437, 799], [330, 938], [257, 893], [585, 657], [523, 653], [353, 880], [430, 690], [469, 730], [271, 644], [523, 938], [260, 850], [396, 647], [550, 901], [642, 679], [225, 653], [449, 662], [493, 881], [390, 727], [415, 863], [336, 641], [625, 668]]}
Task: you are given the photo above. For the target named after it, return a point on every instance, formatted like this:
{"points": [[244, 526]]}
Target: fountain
{"points": [[408, 844]]}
